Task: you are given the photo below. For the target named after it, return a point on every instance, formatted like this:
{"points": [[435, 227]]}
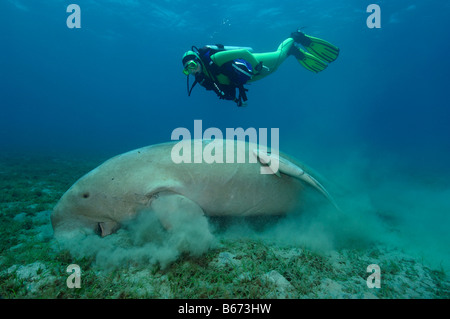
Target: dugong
{"points": [[152, 179]]}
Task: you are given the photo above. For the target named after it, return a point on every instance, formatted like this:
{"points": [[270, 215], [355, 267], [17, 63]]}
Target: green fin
{"points": [[321, 49], [309, 61]]}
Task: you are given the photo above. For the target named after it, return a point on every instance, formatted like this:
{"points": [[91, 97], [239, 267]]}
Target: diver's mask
{"points": [[190, 67]]}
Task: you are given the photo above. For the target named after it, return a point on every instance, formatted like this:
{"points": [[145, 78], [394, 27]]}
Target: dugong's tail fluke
{"points": [[287, 167]]}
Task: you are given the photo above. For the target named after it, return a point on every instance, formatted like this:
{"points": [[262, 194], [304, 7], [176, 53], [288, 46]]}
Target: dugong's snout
{"points": [[57, 218], [66, 218]]}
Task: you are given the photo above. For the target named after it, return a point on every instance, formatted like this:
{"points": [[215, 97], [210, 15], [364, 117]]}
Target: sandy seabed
{"points": [[241, 264]]}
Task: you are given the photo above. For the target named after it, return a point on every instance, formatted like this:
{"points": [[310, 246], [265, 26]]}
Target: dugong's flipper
{"points": [[173, 209], [287, 167], [185, 221]]}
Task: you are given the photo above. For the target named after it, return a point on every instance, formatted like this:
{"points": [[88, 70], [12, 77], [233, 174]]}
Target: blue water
{"points": [[116, 83]]}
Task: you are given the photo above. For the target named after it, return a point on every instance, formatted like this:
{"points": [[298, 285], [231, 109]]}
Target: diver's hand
{"points": [[241, 103]]}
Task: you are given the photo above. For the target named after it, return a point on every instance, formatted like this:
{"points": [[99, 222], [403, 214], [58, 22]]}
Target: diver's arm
{"points": [[222, 57]]}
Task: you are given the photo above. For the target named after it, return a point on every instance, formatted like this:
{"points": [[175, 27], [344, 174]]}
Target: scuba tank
{"points": [[220, 47]]}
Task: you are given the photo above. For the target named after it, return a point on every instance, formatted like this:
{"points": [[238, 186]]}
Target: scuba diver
{"points": [[224, 69]]}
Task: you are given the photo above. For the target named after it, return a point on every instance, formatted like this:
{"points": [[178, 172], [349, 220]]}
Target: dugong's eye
{"points": [[86, 195]]}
